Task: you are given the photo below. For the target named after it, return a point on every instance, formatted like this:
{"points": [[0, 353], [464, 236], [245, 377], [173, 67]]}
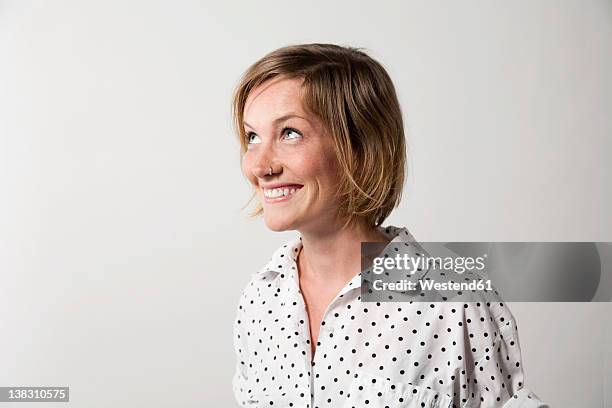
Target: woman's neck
{"points": [[334, 256]]}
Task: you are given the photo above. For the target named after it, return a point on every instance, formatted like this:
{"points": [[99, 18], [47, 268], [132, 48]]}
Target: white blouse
{"points": [[387, 354]]}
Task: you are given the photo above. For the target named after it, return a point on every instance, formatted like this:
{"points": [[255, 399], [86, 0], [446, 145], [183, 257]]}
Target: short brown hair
{"points": [[355, 99]]}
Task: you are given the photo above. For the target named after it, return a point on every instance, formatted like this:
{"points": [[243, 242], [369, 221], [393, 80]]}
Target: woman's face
{"points": [[282, 134]]}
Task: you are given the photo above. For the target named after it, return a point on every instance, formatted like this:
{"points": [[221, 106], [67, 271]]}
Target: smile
{"points": [[282, 193]]}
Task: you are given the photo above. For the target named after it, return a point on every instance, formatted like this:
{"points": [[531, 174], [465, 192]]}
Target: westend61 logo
{"points": [[464, 271], [421, 262]]}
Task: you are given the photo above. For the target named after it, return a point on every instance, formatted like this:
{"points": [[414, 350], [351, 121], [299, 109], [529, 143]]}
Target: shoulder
{"points": [[481, 308], [482, 326], [482, 315]]}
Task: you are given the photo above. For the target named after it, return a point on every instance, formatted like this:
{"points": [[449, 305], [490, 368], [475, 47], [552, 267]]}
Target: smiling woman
{"points": [[322, 144], [289, 158]]}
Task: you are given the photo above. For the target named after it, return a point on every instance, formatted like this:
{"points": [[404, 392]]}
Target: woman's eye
{"points": [[252, 138], [291, 134]]}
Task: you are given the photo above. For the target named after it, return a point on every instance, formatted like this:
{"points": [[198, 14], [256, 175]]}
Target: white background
{"points": [[123, 247]]}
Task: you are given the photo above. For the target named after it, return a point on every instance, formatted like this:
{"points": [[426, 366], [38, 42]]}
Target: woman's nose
{"points": [[261, 170], [263, 161]]}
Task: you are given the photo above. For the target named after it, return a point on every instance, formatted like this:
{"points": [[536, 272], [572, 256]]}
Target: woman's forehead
{"points": [[274, 98]]}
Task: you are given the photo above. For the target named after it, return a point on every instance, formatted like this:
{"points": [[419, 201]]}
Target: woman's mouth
{"points": [[281, 193]]}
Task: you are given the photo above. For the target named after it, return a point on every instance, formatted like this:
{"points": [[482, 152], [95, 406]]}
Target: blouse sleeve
{"points": [[240, 378], [497, 377]]}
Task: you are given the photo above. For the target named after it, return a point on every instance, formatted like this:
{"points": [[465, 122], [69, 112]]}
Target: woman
{"points": [[322, 144]]}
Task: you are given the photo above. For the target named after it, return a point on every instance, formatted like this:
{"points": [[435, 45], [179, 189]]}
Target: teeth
{"points": [[279, 192]]}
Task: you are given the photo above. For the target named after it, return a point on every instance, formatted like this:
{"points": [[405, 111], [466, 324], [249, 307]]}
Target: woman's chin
{"points": [[278, 224]]}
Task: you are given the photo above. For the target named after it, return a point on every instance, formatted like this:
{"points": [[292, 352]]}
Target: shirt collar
{"points": [[284, 259], [403, 243]]}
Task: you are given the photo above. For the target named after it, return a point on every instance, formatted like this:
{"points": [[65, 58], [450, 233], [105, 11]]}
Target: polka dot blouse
{"points": [[387, 354]]}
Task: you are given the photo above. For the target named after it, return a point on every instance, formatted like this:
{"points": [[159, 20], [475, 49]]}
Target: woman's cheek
{"points": [[246, 166]]}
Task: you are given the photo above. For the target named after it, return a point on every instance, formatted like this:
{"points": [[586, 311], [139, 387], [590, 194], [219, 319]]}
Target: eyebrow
{"points": [[282, 119]]}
